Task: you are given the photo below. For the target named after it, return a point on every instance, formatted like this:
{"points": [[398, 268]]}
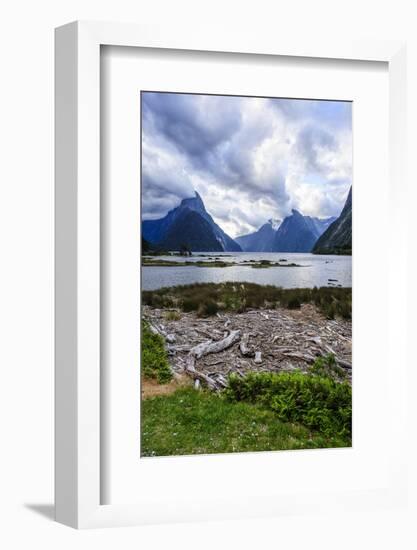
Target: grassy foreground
{"points": [[199, 422], [260, 412]]}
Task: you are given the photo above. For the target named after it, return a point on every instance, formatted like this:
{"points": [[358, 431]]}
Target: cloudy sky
{"points": [[251, 159]]}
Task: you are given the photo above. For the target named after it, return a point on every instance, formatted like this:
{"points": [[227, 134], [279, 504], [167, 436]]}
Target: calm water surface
{"points": [[315, 270]]}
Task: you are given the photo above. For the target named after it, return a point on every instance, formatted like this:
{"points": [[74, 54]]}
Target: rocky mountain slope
{"points": [[297, 233], [261, 240], [337, 239]]}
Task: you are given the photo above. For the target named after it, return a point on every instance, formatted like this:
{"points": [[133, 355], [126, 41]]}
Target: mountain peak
{"points": [[194, 203], [182, 225]]}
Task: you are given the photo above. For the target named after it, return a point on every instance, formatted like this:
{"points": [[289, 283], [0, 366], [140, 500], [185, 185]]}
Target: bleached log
{"points": [[199, 348], [221, 380], [197, 375], [207, 334], [153, 329], [258, 357], [204, 349], [215, 347], [329, 349], [170, 338], [181, 347], [343, 363], [315, 340], [244, 347], [307, 357], [214, 363]]}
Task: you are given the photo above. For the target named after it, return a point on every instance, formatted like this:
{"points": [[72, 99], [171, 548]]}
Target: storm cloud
{"points": [[251, 159]]}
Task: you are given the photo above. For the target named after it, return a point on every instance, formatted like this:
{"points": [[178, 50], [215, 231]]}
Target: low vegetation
{"points": [[160, 262], [313, 400], [176, 263], [172, 315], [154, 356], [260, 411], [200, 422], [209, 298], [327, 366]]}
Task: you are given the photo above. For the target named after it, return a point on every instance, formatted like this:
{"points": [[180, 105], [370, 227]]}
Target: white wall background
{"points": [[26, 268]]}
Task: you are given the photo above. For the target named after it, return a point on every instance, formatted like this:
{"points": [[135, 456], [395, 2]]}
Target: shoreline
{"points": [[304, 270], [262, 340], [216, 263]]}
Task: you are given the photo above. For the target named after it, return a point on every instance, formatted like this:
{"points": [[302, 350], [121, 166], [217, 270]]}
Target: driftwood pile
{"points": [[209, 349]]}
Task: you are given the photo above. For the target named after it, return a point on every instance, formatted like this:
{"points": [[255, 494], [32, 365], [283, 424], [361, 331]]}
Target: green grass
{"points": [[199, 422], [154, 356], [331, 301]]}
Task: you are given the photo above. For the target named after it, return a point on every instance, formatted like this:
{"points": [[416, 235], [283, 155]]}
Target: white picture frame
{"points": [[78, 405]]}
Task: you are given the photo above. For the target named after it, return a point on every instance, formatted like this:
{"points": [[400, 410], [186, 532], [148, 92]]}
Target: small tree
{"points": [[185, 250]]}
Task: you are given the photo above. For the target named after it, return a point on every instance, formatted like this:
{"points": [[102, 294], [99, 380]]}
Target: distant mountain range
{"points": [[262, 240], [297, 233], [189, 225], [337, 239]]}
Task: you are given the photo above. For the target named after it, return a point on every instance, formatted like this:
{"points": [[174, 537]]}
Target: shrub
{"points": [[172, 315], [327, 366], [208, 308], [345, 310], [189, 304], [318, 402], [293, 303], [154, 356]]}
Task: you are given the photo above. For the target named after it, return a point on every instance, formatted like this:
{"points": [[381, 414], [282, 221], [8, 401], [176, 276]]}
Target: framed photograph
{"points": [[229, 331]]}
